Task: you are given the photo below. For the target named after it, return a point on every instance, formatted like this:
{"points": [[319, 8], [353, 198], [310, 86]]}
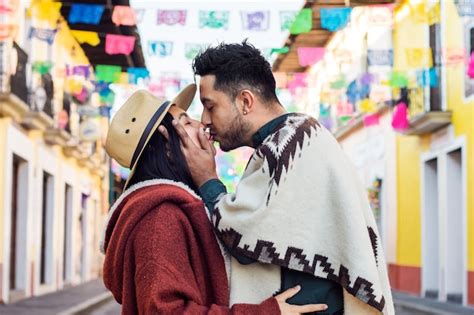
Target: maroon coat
{"points": [[161, 256]]}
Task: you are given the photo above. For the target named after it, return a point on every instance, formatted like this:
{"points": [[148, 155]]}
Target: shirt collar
{"points": [[267, 129]]}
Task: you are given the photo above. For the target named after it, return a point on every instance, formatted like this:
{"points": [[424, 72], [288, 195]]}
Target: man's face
{"points": [[222, 116]]}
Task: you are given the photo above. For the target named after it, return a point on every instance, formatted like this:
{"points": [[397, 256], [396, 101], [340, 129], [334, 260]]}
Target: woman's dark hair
{"points": [[237, 67], [163, 159]]}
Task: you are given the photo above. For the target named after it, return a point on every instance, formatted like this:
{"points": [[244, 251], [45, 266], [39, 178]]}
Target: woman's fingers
{"points": [[282, 297], [309, 308], [164, 132]]}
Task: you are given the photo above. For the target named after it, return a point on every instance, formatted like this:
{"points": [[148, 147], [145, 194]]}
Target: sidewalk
{"points": [[68, 301], [417, 305]]}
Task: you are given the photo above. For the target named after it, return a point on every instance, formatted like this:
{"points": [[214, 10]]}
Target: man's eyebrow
{"points": [[183, 114]]}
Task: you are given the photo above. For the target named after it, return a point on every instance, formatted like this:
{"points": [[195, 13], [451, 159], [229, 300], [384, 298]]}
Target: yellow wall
{"points": [[408, 34], [463, 113]]}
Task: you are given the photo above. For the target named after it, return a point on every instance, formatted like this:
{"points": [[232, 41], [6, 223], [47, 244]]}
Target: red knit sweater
{"points": [[162, 256]]}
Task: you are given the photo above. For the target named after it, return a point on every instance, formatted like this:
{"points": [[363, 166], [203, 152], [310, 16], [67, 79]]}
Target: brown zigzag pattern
{"points": [[286, 139], [295, 259], [373, 241]]}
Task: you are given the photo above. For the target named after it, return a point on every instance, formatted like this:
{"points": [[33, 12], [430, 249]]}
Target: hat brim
{"points": [[183, 100]]}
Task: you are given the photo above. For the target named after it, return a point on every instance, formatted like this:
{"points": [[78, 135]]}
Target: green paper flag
{"points": [[398, 79], [303, 22], [339, 84], [42, 67], [109, 74], [283, 50]]}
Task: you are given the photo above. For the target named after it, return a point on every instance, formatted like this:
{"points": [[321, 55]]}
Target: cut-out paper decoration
{"points": [[85, 13], [334, 19], [299, 81], [427, 77], [419, 57], [465, 7], [303, 22], [119, 44], [287, 18], [367, 78], [109, 74], [325, 116], [255, 20], [139, 14], [124, 15], [42, 67], [214, 19], [45, 35], [400, 117], [380, 16], [379, 57], [310, 55], [367, 106], [283, 50], [453, 56], [81, 70], [470, 70], [191, 50], [160, 48], [398, 80], [344, 108], [339, 84], [371, 120], [134, 74], [171, 17], [91, 38], [46, 10]]}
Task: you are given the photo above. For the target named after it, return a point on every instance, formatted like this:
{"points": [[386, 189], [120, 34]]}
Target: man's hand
{"points": [[200, 158], [289, 309]]}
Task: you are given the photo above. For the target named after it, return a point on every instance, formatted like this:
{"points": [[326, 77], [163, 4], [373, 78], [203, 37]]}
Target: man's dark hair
{"points": [[236, 67]]}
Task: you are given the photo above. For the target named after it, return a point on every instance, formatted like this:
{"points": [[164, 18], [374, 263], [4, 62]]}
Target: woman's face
{"points": [[190, 125]]}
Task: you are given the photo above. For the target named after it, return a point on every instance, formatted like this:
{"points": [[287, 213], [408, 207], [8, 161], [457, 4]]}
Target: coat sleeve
{"points": [[165, 282]]}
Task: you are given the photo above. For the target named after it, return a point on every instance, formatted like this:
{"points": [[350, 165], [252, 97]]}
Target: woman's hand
{"points": [[289, 309]]}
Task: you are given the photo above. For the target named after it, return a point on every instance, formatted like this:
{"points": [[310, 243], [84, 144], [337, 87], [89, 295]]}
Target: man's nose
{"points": [[205, 118]]}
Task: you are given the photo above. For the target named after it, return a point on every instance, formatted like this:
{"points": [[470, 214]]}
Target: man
{"points": [[298, 215]]}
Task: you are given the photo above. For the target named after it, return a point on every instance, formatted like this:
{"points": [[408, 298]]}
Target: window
{"points": [[469, 44], [435, 45]]}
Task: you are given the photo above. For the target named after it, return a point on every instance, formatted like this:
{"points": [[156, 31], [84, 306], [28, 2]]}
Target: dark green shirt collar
{"points": [[267, 129]]}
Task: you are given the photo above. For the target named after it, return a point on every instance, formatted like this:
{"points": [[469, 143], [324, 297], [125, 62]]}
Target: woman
{"points": [[161, 255]]}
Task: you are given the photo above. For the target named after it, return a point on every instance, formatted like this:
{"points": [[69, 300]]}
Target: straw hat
{"points": [[136, 121]]}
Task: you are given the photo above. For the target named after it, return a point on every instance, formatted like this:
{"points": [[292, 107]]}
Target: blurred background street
{"points": [[393, 80]]}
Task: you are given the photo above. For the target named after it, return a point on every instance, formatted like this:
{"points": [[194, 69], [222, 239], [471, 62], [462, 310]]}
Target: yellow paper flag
{"points": [[46, 10], [419, 57], [73, 86], [426, 13], [91, 38], [434, 15], [367, 106]]}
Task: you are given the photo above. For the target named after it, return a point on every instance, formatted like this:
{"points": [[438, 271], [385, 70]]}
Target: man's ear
{"points": [[247, 99], [164, 132]]}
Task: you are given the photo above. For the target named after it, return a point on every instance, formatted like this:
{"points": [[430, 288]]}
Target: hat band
{"points": [[147, 131]]}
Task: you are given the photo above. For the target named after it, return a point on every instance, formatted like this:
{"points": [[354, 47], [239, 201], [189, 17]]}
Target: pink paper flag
{"points": [[400, 117], [299, 81], [124, 15], [371, 120], [470, 70], [119, 44], [310, 55]]}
